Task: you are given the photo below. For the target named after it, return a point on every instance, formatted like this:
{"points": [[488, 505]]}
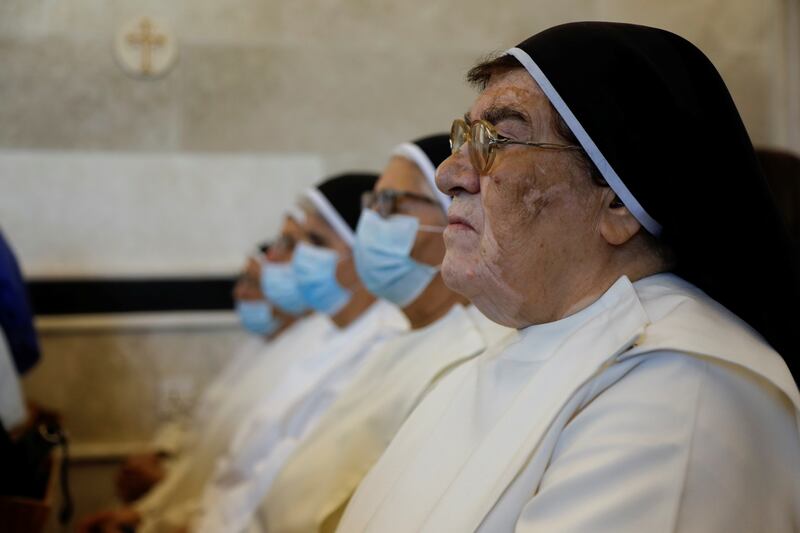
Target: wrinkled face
{"points": [[248, 285], [282, 249], [318, 232], [404, 175], [519, 235]]}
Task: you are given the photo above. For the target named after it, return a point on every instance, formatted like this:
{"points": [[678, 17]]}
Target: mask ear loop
{"points": [[432, 229], [258, 256]]}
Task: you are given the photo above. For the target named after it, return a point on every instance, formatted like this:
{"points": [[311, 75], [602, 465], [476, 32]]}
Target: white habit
{"points": [[172, 436], [283, 417], [319, 478], [654, 409], [174, 500]]}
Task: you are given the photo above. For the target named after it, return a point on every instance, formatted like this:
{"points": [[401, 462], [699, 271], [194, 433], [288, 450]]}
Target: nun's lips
{"points": [[457, 222]]}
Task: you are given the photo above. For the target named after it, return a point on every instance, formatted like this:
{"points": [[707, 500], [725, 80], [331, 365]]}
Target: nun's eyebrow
{"points": [[497, 114]]}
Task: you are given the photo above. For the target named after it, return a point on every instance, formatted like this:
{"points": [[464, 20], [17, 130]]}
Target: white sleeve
{"points": [[678, 444], [12, 403]]}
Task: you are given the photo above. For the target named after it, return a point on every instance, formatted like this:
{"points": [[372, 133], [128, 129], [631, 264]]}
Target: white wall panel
{"points": [[108, 214]]}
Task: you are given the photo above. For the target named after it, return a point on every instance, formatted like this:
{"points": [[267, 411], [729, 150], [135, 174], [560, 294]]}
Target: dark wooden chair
{"points": [[30, 515]]}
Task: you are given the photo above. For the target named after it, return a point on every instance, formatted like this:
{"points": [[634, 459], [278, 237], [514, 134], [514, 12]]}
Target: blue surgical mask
{"points": [[383, 257], [315, 270], [256, 317], [278, 282]]}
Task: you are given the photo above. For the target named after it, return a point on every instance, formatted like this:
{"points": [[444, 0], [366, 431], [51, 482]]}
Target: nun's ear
{"points": [[616, 224]]}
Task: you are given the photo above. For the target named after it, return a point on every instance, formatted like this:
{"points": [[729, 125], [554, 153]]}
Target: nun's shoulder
{"points": [[686, 398], [695, 443]]}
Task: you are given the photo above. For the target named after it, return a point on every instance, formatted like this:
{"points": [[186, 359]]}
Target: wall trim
{"points": [[92, 452], [205, 321], [81, 296]]}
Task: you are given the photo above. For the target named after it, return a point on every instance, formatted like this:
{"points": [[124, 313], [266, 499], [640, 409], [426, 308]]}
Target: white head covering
{"points": [[428, 162]]}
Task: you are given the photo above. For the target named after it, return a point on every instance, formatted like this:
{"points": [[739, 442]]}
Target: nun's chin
{"points": [[457, 272]]}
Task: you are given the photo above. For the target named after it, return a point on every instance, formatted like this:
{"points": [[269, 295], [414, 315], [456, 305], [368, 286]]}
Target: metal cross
{"points": [[147, 39]]}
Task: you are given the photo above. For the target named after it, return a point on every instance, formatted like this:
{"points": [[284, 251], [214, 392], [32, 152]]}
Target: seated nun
{"points": [[276, 337], [140, 472], [322, 273], [398, 249], [608, 205]]}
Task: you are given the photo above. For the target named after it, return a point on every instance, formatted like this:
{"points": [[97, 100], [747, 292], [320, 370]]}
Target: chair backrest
{"points": [[782, 170]]}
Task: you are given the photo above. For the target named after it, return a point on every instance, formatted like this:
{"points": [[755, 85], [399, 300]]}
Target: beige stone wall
{"points": [[109, 382], [343, 78]]}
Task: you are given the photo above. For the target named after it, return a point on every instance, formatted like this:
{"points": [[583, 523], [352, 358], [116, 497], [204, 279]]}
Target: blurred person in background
{"points": [[19, 344], [28, 432], [16, 317]]}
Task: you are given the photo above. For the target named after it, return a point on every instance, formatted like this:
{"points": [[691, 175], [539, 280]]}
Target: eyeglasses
{"points": [[483, 141], [385, 201], [283, 244]]}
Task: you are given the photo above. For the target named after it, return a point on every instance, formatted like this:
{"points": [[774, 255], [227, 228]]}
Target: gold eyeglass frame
{"points": [[385, 202], [471, 133]]}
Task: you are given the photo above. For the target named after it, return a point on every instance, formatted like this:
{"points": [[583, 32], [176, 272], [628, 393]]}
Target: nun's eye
{"points": [[510, 133], [616, 203], [317, 240]]}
